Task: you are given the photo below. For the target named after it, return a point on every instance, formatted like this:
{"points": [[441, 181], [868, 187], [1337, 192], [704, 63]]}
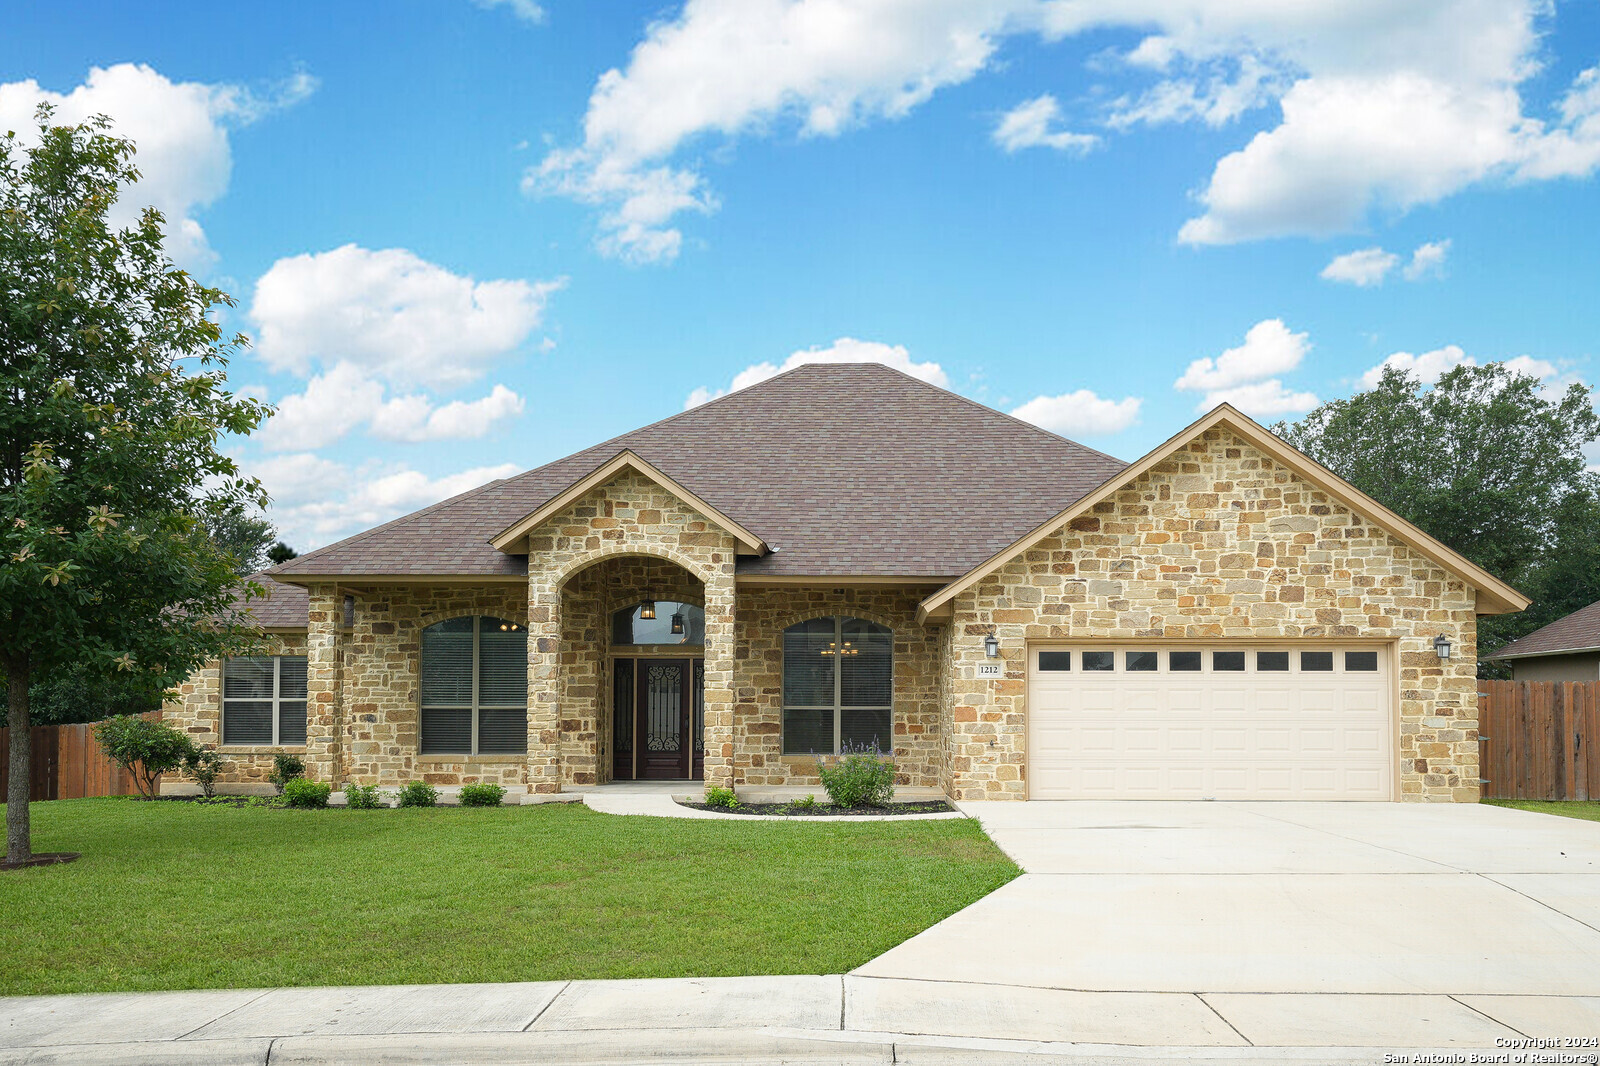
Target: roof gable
{"points": [[1494, 595], [515, 535]]}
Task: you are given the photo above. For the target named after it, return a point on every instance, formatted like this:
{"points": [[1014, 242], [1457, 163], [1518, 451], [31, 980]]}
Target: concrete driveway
{"points": [[1316, 924]]}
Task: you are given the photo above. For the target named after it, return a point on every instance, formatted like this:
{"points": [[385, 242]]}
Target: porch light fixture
{"points": [[647, 610], [1441, 646], [991, 646], [677, 621]]}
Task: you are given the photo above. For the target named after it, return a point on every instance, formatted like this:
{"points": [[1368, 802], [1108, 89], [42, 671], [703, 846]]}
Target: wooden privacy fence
{"points": [[67, 764], [1537, 739]]}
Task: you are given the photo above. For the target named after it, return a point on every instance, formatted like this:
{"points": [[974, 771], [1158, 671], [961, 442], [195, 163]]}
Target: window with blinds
{"points": [[264, 701], [474, 687], [838, 686]]}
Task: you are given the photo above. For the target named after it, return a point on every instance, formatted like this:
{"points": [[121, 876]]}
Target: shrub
{"points": [[721, 797], [145, 747], [419, 794], [482, 795], [806, 802], [363, 797], [298, 792], [286, 768], [859, 777], [205, 766]]}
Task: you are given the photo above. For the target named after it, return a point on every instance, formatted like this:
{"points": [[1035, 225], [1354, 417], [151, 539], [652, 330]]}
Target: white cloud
{"points": [[1262, 399], [1368, 266], [1080, 413], [1028, 126], [316, 500], [391, 314], [843, 350], [1383, 106], [1427, 260], [1428, 367], [180, 129], [1269, 348], [344, 398], [526, 10]]}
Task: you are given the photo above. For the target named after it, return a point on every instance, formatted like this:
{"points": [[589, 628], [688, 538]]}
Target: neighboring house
{"points": [[845, 555], [1567, 649]]}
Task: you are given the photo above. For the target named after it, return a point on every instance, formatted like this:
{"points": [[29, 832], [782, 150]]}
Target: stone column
{"points": [[325, 684], [719, 732], [544, 682]]}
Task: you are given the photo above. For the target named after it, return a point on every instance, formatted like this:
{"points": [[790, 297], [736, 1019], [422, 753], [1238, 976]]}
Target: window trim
{"points": [[837, 707], [276, 700], [475, 707]]}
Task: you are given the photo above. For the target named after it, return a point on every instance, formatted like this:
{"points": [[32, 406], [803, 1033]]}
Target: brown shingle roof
{"points": [[1578, 631], [847, 469], [285, 606]]}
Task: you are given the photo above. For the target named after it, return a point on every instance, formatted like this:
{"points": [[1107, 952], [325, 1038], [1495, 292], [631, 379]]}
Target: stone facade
{"points": [[197, 711], [1218, 541], [764, 613], [631, 515]]}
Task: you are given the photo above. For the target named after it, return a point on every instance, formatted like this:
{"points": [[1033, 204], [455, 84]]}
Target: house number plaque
{"points": [[991, 669]]}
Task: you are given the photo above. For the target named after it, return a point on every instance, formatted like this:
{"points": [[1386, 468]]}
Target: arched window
{"points": [[475, 687], [838, 685], [659, 622]]}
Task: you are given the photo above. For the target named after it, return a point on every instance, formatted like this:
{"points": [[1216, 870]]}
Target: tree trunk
{"points": [[19, 843]]}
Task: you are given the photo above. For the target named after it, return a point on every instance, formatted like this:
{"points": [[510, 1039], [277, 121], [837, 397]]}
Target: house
{"points": [[1567, 649], [845, 555]]}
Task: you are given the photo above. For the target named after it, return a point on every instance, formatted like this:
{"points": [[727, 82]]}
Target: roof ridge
{"points": [[995, 411]]}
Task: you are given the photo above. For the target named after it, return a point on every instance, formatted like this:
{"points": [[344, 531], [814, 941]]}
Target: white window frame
{"points": [[476, 706], [837, 707], [277, 701]]}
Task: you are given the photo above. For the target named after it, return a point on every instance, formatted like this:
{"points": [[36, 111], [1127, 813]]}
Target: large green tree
{"points": [[112, 368], [1488, 461]]}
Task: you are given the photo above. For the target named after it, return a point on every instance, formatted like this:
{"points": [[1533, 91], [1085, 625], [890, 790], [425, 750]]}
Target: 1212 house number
{"points": [[991, 669]]}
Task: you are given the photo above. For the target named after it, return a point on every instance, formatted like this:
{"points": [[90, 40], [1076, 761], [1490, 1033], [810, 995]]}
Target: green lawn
{"points": [[1587, 809], [183, 895]]}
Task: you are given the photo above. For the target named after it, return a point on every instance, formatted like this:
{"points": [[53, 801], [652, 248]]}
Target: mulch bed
{"points": [[43, 858], [827, 810]]}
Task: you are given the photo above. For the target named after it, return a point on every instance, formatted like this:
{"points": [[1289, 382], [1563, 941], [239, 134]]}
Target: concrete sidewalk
{"points": [[800, 1019]]}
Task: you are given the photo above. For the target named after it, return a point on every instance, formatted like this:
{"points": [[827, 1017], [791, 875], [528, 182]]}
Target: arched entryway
{"points": [[633, 666]]}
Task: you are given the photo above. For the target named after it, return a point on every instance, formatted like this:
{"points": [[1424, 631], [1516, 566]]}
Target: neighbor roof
{"points": [[841, 469], [1578, 631]]}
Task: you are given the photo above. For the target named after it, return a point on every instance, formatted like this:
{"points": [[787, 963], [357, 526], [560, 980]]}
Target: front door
{"points": [[659, 719]]}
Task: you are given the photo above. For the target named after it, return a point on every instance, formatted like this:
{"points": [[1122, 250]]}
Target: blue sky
{"points": [[472, 237]]}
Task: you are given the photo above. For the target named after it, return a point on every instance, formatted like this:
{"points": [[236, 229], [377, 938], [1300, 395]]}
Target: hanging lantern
{"points": [[677, 621], [647, 610]]}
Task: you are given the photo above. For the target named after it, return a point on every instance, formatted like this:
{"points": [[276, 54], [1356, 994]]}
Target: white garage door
{"points": [[1283, 722]]}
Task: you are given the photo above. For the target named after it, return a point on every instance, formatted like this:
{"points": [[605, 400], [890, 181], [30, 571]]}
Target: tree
{"points": [[1488, 463], [80, 693], [281, 553], [245, 537], [115, 400]]}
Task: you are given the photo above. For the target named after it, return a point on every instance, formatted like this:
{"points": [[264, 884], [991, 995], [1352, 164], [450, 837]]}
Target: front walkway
{"points": [[1140, 933]]}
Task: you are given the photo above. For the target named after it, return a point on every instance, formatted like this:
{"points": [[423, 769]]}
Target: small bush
{"points": [[419, 794], [205, 766], [298, 792], [805, 803], [286, 768], [482, 795], [859, 777], [721, 797], [363, 797], [145, 747]]}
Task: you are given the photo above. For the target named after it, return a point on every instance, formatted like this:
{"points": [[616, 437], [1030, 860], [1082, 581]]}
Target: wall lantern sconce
{"points": [[677, 621], [1441, 646], [991, 646]]}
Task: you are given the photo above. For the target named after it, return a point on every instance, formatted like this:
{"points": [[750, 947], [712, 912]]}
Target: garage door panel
{"points": [[1209, 734]]}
